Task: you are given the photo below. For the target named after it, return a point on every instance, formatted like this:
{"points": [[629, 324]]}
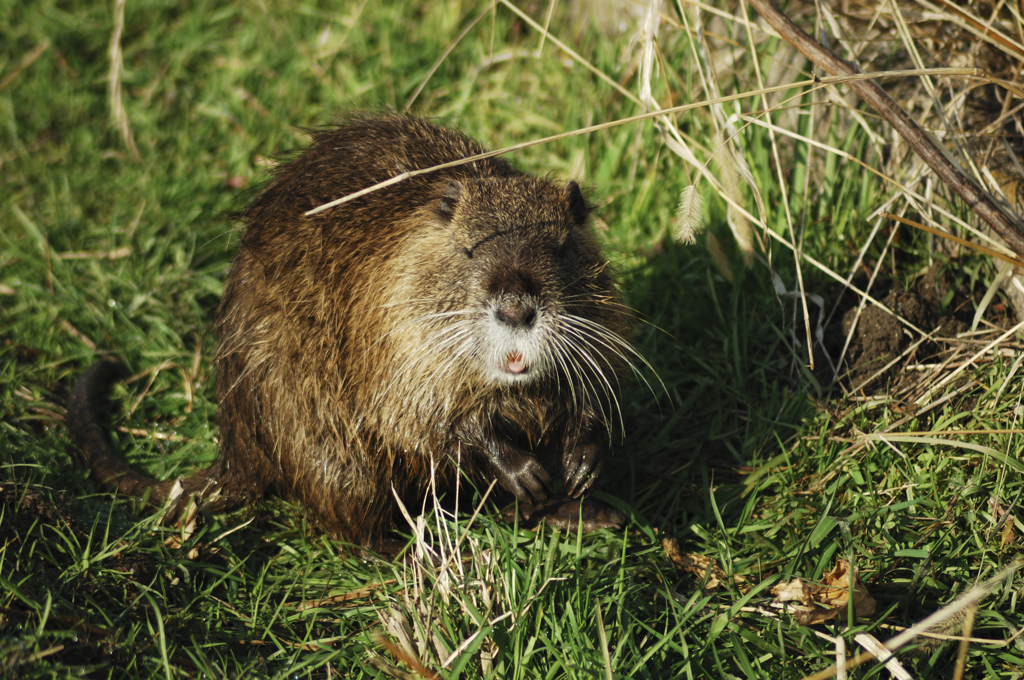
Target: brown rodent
{"points": [[462, 319]]}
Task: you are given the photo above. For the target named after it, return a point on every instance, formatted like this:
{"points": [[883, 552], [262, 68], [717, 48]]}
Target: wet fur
{"points": [[365, 349]]}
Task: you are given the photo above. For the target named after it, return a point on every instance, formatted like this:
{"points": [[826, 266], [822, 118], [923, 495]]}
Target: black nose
{"points": [[516, 313]]}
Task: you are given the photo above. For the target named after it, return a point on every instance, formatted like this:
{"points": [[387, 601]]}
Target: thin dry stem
{"points": [[117, 110], [818, 82], [442, 58]]}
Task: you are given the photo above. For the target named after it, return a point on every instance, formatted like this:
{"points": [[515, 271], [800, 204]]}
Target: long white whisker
{"points": [[589, 395], [442, 339], [557, 351], [588, 356], [614, 339], [588, 334], [417, 320], [458, 339], [408, 302], [577, 353]]}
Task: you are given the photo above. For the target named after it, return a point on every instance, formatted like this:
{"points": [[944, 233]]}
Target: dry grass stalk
{"points": [[25, 62], [117, 111], [443, 570]]}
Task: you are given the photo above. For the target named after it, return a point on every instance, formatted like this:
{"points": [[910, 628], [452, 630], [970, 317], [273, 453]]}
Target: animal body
{"points": [[460, 324]]}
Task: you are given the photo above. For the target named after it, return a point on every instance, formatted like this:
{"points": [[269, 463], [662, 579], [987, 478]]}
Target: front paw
{"points": [[582, 463], [522, 474]]}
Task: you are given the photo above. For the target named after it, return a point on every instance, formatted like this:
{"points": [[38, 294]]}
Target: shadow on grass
{"points": [[728, 392]]}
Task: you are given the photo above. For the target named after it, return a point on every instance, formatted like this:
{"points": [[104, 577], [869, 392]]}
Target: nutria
{"points": [[460, 322]]}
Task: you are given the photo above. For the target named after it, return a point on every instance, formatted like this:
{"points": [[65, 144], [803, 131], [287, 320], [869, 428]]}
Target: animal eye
{"points": [[468, 253]]}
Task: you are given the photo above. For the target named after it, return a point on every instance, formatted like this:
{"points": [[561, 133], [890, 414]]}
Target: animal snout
{"points": [[514, 294], [517, 313]]}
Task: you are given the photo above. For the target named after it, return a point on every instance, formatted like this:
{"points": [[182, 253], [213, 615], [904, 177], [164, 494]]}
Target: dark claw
{"points": [[584, 479], [583, 463]]}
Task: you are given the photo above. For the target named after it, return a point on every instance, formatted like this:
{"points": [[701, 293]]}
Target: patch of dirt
{"points": [[880, 338], [29, 506]]}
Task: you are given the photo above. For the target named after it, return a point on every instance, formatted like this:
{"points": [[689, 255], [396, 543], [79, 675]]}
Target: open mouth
{"points": [[515, 363]]}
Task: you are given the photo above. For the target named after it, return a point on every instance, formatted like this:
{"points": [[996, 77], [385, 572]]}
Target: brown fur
{"points": [[365, 349]]}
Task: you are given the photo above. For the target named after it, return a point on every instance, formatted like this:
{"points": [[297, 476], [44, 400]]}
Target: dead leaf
{"points": [[999, 513], [811, 604], [699, 566], [1009, 535]]}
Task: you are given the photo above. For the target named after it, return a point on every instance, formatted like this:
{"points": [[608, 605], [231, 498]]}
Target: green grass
{"points": [[745, 456]]}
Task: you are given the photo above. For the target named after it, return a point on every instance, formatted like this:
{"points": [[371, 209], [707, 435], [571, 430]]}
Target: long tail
{"points": [[85, 408]]}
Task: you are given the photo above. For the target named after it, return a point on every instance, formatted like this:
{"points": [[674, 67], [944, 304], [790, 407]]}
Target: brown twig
{"points": [[1004, 224], [985, 31], [955, 239]]}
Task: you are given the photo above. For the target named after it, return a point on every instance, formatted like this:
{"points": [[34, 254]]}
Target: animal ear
{"points": [[449, 199], [577, 204]]}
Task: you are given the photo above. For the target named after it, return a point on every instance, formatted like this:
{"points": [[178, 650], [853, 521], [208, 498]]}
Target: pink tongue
{"points": [[516, 363]]}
